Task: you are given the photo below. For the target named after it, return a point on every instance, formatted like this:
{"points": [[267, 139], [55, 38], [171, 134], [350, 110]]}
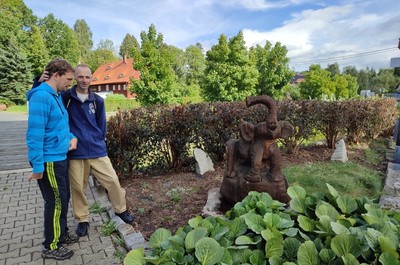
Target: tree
{"points": [[157, 84], [129, 47], [230, 75], [85, 42], [333, 69], [103, 54], [385, 81], [38, 56], [195, 64], [60, 40], [317, 84], [273, 68], [15, 74]]}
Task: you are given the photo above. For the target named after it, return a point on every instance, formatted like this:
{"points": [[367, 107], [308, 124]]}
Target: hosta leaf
{"points": [[135, 257], [298, 205], [254, 222], [307, 254], [274, 247], [306, 223], [258, 257], [296, 192], [349, 259], [342, 244], [247, 240], [193, 236], [346, 204], [388, 259], [208, 251], [158, 237]]}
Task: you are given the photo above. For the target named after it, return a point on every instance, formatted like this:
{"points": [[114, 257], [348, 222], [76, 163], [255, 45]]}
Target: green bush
{"points": [[115, 102], [316, 229]]}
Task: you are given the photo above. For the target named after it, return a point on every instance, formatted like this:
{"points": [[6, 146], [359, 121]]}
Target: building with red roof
{"points": [[115, 78]]}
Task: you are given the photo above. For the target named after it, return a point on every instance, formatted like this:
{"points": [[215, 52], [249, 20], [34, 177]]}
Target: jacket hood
{"points": [[43, 87]]}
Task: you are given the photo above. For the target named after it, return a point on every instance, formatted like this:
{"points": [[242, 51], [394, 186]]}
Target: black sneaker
{"points": [[60, 253], [125, 216], [82, 229], [70, 238]]}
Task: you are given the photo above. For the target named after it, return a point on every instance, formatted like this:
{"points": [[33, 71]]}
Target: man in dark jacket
{"points": [[87, 120]]}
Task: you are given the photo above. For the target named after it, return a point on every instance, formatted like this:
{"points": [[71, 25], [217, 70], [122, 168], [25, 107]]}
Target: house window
{"points": [[124, 87], [95, 79], [120, 75], [108, 68], [107, 77], [107, 88], [119, 87], [113, 87], [98, 88]]}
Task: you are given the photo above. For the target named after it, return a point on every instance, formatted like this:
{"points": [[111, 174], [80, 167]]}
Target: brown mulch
{"points": [[170, 200]]}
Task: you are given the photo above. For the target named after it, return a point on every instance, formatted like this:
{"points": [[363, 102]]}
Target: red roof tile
{"points": [[116, 72]]}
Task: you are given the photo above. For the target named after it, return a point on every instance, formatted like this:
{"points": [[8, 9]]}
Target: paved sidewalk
{"points": [[21, 226]]}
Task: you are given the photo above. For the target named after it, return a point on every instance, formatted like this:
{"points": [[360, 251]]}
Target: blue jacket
{"points": [[48, 133], [87, 121]]}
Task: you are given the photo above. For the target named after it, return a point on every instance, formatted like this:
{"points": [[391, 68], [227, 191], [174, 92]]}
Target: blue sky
{"points": [[361, 33]]}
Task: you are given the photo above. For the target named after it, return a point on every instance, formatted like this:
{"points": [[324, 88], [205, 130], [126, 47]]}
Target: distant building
{"points": [[298, 78], [114, 78]]}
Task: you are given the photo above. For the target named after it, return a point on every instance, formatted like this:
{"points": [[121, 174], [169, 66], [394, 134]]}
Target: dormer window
{"points": [[95, 79], [106, 78], [108, 68], [120, 75]]}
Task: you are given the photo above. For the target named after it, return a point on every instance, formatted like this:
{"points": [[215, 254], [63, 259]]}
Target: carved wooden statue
{"points": [[254, 161]]}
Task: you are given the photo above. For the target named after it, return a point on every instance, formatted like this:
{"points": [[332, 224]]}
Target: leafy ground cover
{"points": [[170, 200]]}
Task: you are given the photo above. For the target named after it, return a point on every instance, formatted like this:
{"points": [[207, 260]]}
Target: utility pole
{"points": [[397, 134]]}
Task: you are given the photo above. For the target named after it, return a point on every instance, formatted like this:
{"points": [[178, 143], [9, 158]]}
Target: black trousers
{"points": [[56, 194]]}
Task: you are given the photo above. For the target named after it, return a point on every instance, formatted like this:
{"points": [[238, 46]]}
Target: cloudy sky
{"points": [[361, 33]]}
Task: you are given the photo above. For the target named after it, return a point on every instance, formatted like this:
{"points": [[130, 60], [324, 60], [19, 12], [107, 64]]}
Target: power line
{"points": [[344, 56]]}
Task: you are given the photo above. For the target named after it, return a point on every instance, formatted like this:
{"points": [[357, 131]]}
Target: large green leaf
{"points": [[307, 254], [296, 192], [158, 237], [324, 208], [371, 236], [326, 255], [274, 247], [332, 190], [291, 246], [306, 223], [324, 224], [254, 222], [193, 236], [346, 204], [270, 233], [248, 240], [208, 251], [387, 245], [388, 259], [342, 244], [135, 257], [236, 228], [226, 258], [338, 228], [272, 220], [195, 222], [258, 257], [349, 259], [298, 204]]}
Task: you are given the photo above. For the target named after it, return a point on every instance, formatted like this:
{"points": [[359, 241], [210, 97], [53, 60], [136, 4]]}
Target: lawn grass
{"points": [[347, 178]]}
